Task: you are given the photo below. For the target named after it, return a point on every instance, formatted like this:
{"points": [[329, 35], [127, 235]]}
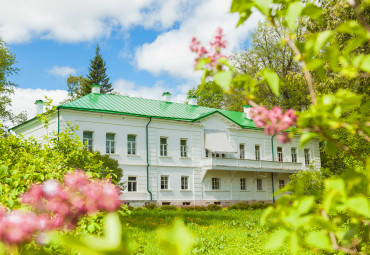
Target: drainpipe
{"points": [[272, 174], [58, 124], [147, 159]]}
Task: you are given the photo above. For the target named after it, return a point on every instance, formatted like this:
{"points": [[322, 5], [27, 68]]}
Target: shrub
{"points": [[240, 206], [213, 207], [259, 205], [168, 208], [194, 208], [150, 206]]}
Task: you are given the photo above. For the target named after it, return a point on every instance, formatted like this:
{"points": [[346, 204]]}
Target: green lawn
{"points": [[221, 232]]}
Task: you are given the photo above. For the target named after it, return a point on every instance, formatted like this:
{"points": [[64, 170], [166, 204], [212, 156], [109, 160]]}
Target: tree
{"points": [[97, 75], [7, 61], [212, 95]]}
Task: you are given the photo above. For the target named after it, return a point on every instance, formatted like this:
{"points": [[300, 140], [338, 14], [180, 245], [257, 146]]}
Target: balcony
{"points": [[234, 164]]}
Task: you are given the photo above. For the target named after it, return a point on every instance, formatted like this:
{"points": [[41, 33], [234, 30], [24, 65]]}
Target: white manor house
{"points": [[180, 154]]}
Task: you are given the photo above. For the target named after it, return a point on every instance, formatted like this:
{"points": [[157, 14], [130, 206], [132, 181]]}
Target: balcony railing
{"points": [[249, 164]]}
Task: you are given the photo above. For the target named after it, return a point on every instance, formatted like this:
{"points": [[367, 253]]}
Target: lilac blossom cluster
{"points": [[214, 54], [57, 206], [274, 121]]}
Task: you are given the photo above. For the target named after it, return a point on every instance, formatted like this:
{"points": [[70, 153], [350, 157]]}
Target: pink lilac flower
{"points": [[274, 121]]}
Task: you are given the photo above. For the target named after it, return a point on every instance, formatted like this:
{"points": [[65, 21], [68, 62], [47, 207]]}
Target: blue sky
{"points": [[145, 43]]}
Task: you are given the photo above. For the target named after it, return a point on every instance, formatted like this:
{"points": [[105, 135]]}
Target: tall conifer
{"points": [[97, 75]]}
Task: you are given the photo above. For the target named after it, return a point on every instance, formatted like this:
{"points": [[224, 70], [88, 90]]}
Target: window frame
{"points": [[295, 158], [257, 152], [184, 152], [280, 154], [259, 185], [216, 183], [307, 157], [165, 182], [133, 187], [281, 184], [163, 147], [88, 146], [243, 184], [131, 145], [242, 151], [111, 148], [184, 182]]}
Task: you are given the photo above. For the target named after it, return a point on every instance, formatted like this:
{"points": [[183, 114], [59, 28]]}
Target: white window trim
{"points": [[186, 148], [188, 178], [92, 138], [136, 180], [168, 183], [259, 152], [110, 144], [135, 145], [219, 184], [164, 146]]}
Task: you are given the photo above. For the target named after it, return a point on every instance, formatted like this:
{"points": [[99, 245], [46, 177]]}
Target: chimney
{"points": [[39, 107], [95, 88], [193, 100], [247, 109], [166, 96]]}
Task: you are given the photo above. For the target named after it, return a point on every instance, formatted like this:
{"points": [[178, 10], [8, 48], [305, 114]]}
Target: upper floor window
{"points": [[281, 184], [242, 151], [109, 143], [294, 155], [280, 154], [257, 152], [132, 184], [183, 148], [164, 182], [131, 144], [88, 139], [243, 184], [259, 184], [184, 182], [306, 157], [163, 146], [216, 183]]}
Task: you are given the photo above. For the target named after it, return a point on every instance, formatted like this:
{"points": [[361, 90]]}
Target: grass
{"points": [[215, 232]]}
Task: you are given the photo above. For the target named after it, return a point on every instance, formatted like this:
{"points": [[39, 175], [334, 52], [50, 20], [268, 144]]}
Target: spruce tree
{"points": [[97, 75]]}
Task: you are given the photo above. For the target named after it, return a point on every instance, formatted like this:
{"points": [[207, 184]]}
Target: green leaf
{"points": [[352, 27], [305, 204], [359, 205], [293, 242], [331, 148], [293, 12], [319, 240], [277, 239], [3, 171], [263, 6], [365, 64], [202, 62], [176, 240], [223, 78], [322, 39], [312, 11], [306, 138], [272, 79]]}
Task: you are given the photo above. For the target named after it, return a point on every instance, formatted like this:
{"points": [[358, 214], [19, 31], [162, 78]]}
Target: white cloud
{"points": [[63, 71], [24, 99], [170, 51], [82, 20]]}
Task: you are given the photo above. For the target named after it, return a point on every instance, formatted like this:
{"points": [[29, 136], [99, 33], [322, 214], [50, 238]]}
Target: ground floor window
{"points": [[132, 184], [164, 182], [259, 184], [166, 203], [185, 203], [281, 184], [215, 183], [243, 184]]}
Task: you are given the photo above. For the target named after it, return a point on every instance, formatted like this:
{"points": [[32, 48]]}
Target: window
{"points": [[280, 154], [183, 148], [281, 184], [185, 203], [166, 203], [132, 184], [88, 139], [109, 143], [217, 203], [184, 182], [243, 184], [131, 144], [294, 155], [257, 152], [307, 157], [164, 182], [242, 151], [259, 184], [163, 146], [215, 183]]}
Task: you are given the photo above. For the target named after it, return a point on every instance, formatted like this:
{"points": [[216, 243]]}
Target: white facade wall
{"points": [[195, 166]]}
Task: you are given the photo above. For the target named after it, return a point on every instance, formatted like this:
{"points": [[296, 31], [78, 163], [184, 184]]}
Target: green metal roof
{"points": [[148, 107]]}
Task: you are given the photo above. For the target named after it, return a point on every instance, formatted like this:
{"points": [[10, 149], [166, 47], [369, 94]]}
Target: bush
{"points": [[259, 205], [240, 206], [194, 208], [150, 206], [213, 207], [168, 208]]}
